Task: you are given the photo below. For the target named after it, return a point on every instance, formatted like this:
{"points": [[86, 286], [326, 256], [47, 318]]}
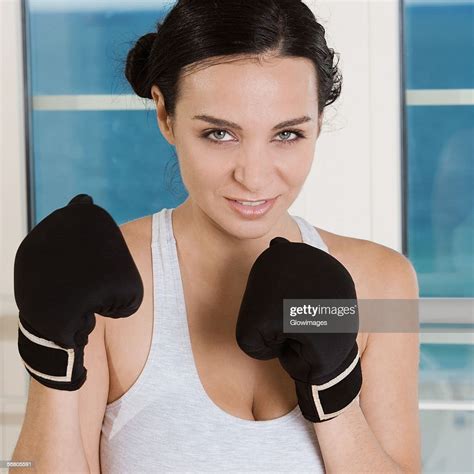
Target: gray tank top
{"points": [[167, 423]]}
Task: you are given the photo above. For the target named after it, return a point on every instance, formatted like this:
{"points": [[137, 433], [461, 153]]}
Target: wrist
{"points": [[49, 363], [324, 401]]}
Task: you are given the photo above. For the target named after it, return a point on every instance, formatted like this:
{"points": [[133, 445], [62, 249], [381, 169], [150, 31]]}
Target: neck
{"points": [[203, 242]]}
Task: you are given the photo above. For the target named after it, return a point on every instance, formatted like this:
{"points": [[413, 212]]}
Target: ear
{"points": [[163, 119]]}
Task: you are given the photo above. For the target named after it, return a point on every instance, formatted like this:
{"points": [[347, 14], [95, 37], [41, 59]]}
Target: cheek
{"points": [[202, 172], [294, 170]]}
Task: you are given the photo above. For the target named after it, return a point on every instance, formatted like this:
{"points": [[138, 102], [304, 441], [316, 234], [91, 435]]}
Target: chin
{"points": [[245, 229], [252, 232]]}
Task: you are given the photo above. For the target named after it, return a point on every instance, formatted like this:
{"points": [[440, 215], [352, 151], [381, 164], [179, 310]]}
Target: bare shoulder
{"points": [[378, 271], [137, 235], [137, 229]]}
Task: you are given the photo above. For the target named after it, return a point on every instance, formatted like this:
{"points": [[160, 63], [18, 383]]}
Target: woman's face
{"points": [[251, 156]]}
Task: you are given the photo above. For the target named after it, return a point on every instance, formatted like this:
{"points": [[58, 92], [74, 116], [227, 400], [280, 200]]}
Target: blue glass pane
{"points": [[441, 198], [446, 372], [83, 52], [439, 45], [118, 157]]}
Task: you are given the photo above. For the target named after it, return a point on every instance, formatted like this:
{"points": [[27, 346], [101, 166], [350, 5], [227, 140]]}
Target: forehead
{"points": [[283, 86]]}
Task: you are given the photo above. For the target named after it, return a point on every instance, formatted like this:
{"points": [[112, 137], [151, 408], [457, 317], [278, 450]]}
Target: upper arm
{"points": [[95, 391], [93, 394], [389, 394]]}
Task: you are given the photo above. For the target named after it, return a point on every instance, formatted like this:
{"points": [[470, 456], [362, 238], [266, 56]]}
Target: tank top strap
{"points": [[310, 234], [169, 310]]}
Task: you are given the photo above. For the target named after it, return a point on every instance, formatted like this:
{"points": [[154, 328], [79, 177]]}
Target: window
{"points": [[88, 131], [439, 209], [439, 59]]}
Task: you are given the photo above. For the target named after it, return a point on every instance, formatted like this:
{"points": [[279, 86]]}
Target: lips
{"points": [[251, 211], [249, 200]]}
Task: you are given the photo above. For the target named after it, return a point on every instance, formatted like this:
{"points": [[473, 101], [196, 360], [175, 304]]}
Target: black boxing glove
{"points": [[325, 366], [72, 264]]}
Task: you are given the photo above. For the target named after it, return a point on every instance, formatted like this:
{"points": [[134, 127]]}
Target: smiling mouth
{"points": [[252, 209], [251, 202]]}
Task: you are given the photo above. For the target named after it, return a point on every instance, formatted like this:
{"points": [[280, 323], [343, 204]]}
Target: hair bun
{"points": [[136, 70]]}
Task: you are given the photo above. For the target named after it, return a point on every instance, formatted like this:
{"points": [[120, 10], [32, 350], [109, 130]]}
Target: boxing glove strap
{"points": [[323, 402], [43, 358]]}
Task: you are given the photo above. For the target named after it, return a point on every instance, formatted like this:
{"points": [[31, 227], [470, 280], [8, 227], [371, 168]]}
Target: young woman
{"points": [[240, 90]]}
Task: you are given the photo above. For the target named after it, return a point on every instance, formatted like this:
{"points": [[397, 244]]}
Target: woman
{"points": [[240, 90]]}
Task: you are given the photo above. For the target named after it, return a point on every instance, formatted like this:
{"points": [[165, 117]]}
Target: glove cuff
{"points": [[50, 364], [322, 402]]}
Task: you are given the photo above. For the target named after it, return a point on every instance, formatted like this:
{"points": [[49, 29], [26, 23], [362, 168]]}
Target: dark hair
{"points": [[197, 33]]}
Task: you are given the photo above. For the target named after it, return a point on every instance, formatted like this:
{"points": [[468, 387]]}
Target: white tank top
{"points": [[167, 423]]}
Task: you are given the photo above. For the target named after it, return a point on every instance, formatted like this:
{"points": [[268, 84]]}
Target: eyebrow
{"points": [[226, 123]]}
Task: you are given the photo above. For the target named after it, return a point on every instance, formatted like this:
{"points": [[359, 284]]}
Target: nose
{"points": [[254, 171]]}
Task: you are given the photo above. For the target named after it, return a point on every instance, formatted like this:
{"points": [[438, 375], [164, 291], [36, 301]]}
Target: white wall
{"points": [[353, 189]]}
